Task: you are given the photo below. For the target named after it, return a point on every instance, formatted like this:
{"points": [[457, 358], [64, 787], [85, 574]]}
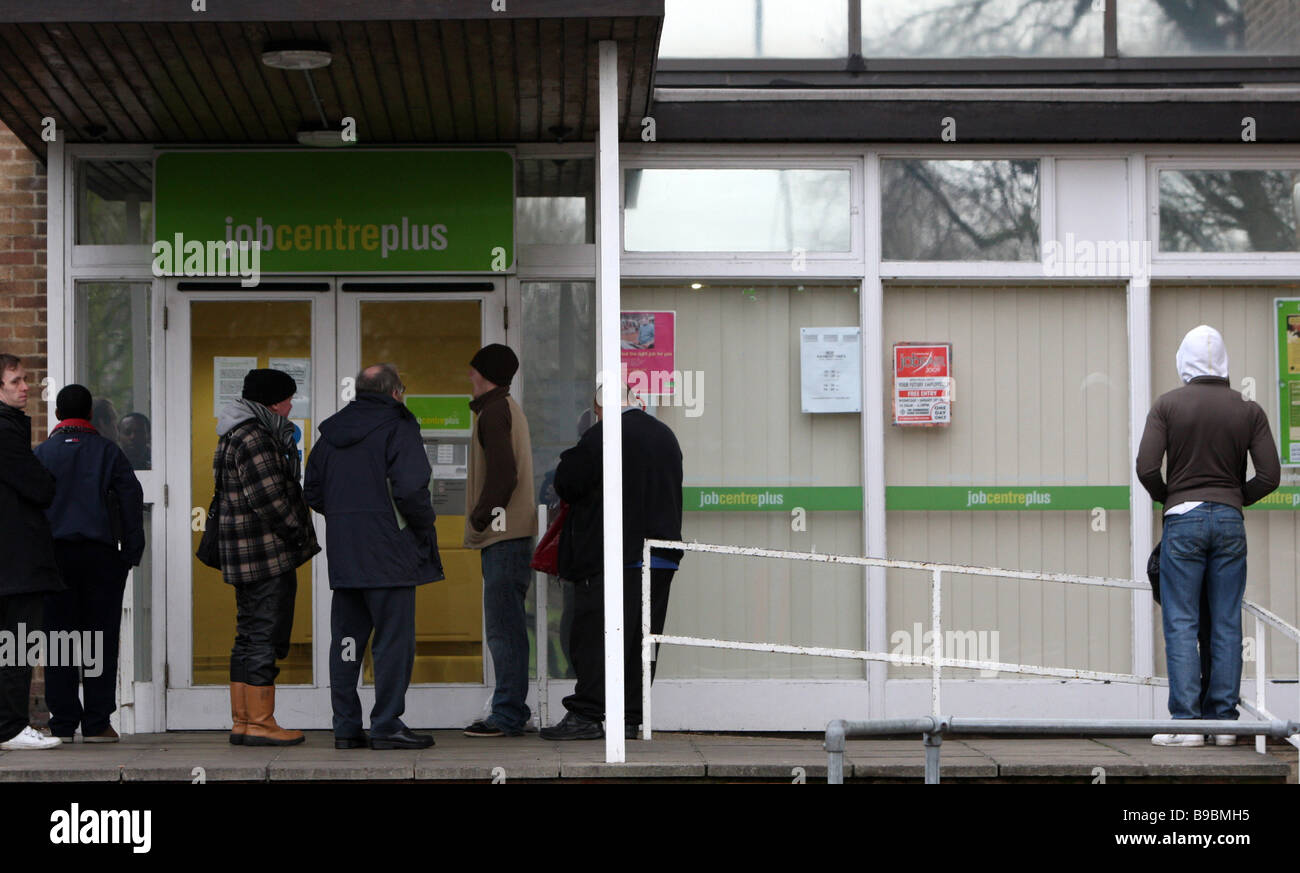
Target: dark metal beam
{"points": [[1021, 121], [154, 11]]}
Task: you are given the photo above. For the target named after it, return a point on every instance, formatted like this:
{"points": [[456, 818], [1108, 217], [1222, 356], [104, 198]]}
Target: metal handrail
{"points": [[938, 661], [932, 728]]}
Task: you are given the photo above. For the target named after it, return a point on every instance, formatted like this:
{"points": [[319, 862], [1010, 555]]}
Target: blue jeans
{"points": [[506, 574], [1206, 547]]}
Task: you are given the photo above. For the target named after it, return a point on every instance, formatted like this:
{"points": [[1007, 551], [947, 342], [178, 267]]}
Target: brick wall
{"points": [[23, 325]]}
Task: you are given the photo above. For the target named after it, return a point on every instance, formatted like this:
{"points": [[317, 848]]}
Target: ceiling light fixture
{"points": [[297, 57]]}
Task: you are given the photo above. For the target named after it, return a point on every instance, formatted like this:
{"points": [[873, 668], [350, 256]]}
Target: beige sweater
{"points": [[500, 473]]}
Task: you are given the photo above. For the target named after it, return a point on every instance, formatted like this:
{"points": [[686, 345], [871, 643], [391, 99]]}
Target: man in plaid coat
{"points": [[265, 534]]}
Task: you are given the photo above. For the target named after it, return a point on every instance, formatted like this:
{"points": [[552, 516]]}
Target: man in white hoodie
{"points": [[1204, 431]]}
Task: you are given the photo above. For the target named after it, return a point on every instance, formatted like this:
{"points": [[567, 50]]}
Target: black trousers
{"points": [[16, 682], [354, 614], [263, 623], [587, 641], [96, 578]]}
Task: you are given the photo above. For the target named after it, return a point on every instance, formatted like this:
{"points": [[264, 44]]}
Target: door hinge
{"points": [[165, 318], [166, 495], [506, 317]]}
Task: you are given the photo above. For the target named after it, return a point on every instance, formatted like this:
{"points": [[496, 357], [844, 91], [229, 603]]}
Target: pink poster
{"points": [[647, 344]]}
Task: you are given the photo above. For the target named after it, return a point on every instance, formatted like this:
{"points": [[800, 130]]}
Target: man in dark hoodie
{"points": [[652, 509], [1204, 431], [369, 476], [28, 568], [98, 503]]}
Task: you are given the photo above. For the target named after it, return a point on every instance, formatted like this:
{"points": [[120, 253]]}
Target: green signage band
{"points": [[340, 211], [1288, 380], [448, 412], [935, 498]]}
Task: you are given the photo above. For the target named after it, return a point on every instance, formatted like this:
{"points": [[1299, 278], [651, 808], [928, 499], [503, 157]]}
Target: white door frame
{"points": [[335, 355]]}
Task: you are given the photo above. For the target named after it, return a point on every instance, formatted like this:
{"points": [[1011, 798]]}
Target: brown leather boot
{"points": [[238, 713], [262, 729]]}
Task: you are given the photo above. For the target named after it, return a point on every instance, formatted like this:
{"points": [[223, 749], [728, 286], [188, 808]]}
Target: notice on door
{"points": [[228, 380], [1288, 379], [300, 370], [830, 369], [923, 385]]}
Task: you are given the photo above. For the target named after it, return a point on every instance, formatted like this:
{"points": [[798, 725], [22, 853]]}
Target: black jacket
{"points": [[368, 467], [96, 495], [652, 495], [26, 489]]}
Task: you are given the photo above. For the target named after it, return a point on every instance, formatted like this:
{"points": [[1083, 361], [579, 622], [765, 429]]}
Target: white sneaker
{"points": [[1178, 739], [30, 740], [1225, 739]]}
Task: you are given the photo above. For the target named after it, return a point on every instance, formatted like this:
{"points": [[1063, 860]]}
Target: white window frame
{"points": [[1215, 265], [777, 266]]}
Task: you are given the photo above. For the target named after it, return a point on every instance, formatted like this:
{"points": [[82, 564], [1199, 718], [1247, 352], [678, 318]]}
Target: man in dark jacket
{"points": [[1204, 431], [652, 509], [97, 503], [369, 476], [265, 534], [28, 568]]}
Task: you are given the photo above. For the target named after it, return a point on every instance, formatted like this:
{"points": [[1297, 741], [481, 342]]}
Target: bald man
{"points": [[368, 475]]}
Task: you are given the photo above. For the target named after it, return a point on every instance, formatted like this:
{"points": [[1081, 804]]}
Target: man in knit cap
{"points": [[500, 520], [265, 534]]}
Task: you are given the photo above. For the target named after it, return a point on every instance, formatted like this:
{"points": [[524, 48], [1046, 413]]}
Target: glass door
{"points": [[216, 336], [430, 338]]}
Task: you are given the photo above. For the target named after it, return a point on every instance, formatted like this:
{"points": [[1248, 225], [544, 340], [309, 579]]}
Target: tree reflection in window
{"points": [[959, 210], [1229, 210]]}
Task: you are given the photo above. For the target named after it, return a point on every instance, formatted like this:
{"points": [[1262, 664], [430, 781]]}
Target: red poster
{"points": [[923, 384], [647, 340]]}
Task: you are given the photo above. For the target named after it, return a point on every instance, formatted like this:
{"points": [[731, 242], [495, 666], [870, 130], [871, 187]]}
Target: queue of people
{"points": [[75, 509]]}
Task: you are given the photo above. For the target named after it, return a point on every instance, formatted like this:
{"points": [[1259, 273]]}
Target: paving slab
{"points": [[68, 763], [1208, 761], [214, 764], [1056, 756], [905, 759]]}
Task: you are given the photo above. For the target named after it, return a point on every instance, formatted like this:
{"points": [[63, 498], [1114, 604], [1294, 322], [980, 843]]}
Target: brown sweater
{"points": [[1206, 429], [500, 472]]}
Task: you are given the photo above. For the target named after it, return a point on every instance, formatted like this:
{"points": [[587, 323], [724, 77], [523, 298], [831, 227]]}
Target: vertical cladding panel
{"points": [[1244, 314], [1041, 399], [743, 343]]}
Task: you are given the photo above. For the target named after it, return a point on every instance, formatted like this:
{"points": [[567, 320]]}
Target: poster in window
{"points": [[647, 341], [830, 369]]}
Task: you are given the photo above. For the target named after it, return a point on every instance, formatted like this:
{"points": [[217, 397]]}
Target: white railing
{"points": [[937, 662]]}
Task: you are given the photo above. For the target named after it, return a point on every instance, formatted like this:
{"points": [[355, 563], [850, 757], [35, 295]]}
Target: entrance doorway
{"points": [[322, 331]]}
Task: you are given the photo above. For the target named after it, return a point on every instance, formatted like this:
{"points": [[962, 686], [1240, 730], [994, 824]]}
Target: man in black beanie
{"points": [[500, 521], [265, 534], [97, 519]]}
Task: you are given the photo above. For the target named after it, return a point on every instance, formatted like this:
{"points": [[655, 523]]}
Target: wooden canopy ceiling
{"points": [[144, 72]]}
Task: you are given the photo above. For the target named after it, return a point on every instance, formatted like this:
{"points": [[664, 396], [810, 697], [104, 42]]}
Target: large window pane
{"points": [[559, 344], [981, 28], [1037, 443], [114, 202], [1176, 27], [1229, 210], [755, 29], [736, 210], [959, 210], [113, 326], [743, 433], [554, 201]]}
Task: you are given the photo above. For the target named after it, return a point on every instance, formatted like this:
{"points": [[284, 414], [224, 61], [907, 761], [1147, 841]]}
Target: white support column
{"points": [[873, 437], [608, 247], [1139, 392]]}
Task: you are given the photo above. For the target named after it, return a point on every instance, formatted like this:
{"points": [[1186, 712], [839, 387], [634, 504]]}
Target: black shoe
{"points": [[350, 742], [485, 728], [574, 727], [631, 731], [403, 739]]}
